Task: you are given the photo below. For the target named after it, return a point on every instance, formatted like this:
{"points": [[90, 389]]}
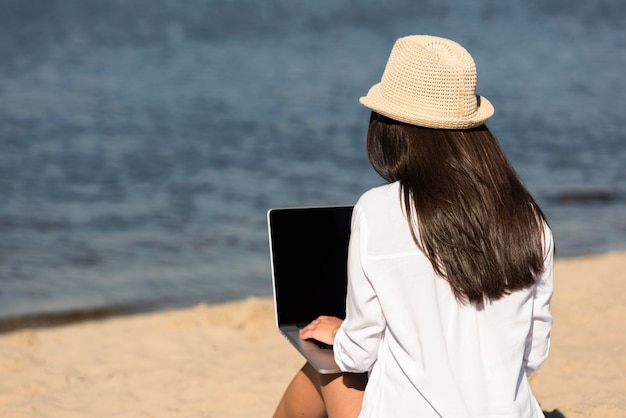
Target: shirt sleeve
{"points": [[538, 339], [357, 340]]}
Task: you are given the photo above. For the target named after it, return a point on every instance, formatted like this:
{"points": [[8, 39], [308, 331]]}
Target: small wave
{"points": [[575, 196], [50, 319]]}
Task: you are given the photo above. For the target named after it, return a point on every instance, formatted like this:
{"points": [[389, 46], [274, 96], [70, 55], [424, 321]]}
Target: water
{"points": [[141, 143]]}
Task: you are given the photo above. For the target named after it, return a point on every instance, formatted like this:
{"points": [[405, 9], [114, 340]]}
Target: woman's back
{"points": [[428, 352]]}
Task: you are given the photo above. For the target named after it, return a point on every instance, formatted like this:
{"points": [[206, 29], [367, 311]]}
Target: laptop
{"points": [[308, 254]]}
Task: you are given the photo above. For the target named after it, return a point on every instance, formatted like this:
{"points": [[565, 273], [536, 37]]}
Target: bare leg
{"points": [[343, 394], [303, 397], [312, 395]]}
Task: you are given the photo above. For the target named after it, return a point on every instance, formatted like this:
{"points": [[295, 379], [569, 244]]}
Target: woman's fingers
{"points": [[322, 329]]}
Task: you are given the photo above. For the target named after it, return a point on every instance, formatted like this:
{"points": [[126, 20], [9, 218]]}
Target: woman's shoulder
{"points": [[380, 212], [382, 202], [380, 195]]}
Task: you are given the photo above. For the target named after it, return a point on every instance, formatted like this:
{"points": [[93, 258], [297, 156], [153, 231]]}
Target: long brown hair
{"points": [[467, 208]]}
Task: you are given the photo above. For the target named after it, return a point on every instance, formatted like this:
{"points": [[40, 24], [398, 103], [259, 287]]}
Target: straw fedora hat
{"points": [[429, 81]]}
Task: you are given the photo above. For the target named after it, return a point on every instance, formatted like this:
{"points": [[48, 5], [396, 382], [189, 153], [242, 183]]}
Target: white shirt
{"points": [[429, 356]]}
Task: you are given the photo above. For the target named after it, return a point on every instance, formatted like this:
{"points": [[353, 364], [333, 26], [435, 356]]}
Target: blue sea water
{"points": [[142, 142]]}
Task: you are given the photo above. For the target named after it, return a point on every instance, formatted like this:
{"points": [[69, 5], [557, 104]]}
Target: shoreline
{"points": [[63, 317], [227, 359], [67, 317]]}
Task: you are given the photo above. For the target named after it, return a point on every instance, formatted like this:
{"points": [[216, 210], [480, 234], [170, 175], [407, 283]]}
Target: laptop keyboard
{"points": [[321, 344]]}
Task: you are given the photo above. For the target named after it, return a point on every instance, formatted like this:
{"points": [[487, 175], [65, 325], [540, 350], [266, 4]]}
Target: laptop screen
{"points": [[309, 252]]}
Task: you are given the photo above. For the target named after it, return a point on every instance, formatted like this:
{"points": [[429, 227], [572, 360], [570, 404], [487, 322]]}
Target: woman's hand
{"points": [[322, 329]]}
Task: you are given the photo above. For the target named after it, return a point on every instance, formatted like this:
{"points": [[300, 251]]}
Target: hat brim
{"points": [[376, 101]]}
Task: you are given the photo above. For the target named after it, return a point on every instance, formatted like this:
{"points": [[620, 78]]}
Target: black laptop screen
{"points": [[309, 249]]}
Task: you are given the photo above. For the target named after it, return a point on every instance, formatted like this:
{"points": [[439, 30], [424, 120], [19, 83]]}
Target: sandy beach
{"points": [[228, 360]]}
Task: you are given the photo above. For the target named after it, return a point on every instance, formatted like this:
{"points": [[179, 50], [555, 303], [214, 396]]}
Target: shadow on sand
{"points": [[554, 414]]}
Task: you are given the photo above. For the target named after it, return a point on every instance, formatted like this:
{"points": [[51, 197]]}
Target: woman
{"points": [[449, 265]]}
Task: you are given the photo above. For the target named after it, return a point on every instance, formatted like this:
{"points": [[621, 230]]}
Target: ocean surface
{"points": [[142, 142]]}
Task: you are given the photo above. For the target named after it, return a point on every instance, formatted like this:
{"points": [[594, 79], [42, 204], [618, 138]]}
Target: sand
{"points": [[228, 360]]}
